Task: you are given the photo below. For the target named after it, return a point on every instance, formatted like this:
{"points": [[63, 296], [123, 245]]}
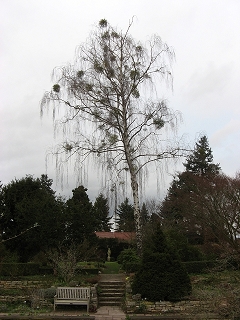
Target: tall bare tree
{"points": [[216, 205], [112, 85]]}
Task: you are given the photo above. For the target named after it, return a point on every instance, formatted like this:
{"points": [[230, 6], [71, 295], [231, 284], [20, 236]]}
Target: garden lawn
{"points": [[111, 268]]}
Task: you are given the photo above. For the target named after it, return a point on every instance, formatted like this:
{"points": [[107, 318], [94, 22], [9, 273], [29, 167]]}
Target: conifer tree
{"points": [[31, 216], [201, 160], [125, 220], [180, 201], [80, 217], [101, 212], [161, 275]]}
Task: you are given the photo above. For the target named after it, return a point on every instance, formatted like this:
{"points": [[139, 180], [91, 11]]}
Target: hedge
{"points": [[19, 269], [30, 269]]}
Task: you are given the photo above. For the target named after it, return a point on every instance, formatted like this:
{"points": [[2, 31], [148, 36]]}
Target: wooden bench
{"points": [[72, 296]]}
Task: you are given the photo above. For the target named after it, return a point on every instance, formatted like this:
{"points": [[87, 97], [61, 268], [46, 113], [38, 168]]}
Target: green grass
{"points": [[111, 268]]}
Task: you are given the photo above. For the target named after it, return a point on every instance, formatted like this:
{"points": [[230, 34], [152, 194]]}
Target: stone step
{"points": [[111, 293], [110, 288], [111, 284], [106, 298], [102, 289]]}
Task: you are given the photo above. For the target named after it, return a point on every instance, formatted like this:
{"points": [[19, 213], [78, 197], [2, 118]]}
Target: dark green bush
{"points": [[161, 275], [129, 260]]}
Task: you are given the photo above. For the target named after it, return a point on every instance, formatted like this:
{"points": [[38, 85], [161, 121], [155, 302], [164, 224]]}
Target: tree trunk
{"points": [[135, 191], [137, 214]]}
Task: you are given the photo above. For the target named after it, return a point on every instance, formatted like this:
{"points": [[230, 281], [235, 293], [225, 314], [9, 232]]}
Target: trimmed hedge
{"points": [[43, 270], [19, 269], [31, 269]]}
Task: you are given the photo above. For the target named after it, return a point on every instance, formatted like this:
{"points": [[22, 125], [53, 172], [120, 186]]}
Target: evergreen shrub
{"points": [[129, 260], [161, 276]]}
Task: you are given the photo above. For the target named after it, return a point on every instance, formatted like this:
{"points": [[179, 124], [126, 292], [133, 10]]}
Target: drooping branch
{"points": [[111, 86]]}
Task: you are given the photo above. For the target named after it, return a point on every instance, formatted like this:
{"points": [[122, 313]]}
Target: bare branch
{"points": [[108, 86], [20, 234]]}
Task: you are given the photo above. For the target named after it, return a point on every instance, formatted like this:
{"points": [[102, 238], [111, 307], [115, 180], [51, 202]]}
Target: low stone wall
{"points": [[33, 296], [190, 309], [20, 284], [164, 307]]}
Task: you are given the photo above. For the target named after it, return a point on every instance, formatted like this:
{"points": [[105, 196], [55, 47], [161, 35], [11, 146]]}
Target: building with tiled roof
{"points": [[122, 236]]}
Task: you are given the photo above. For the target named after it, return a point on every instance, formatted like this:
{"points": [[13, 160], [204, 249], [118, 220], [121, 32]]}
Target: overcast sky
{"points": [[37, 36]]}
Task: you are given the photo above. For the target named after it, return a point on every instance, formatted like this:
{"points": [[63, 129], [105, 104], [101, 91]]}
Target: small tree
{"points": [[64, 262], [104, 87], [64, 258], [161, 275]]}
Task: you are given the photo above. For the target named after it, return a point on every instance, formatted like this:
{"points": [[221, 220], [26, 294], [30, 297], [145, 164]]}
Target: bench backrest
{"points": [[73, 293]]}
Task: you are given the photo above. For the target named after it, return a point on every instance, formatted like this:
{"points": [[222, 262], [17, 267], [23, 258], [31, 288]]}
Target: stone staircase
{"points": [[111, 292]]}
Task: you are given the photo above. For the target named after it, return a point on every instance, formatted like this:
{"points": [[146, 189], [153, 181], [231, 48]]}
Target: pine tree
{"points": [[101, 212], [201, 160]]}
